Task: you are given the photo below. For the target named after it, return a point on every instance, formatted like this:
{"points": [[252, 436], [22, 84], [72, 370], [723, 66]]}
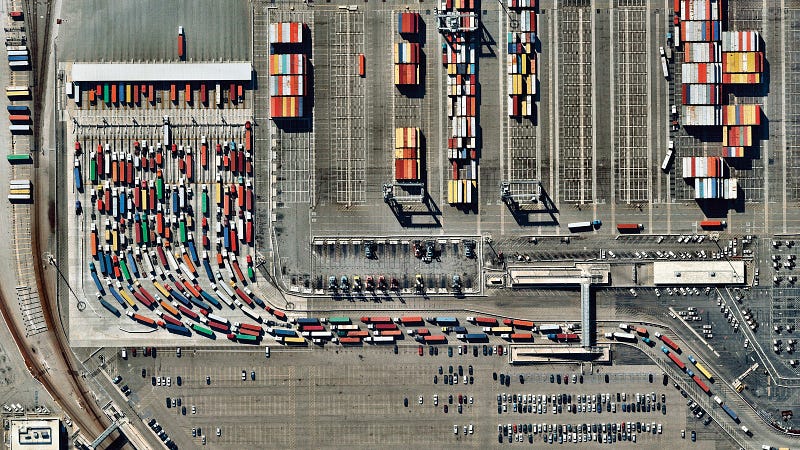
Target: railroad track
{"points": [[91, 425]]}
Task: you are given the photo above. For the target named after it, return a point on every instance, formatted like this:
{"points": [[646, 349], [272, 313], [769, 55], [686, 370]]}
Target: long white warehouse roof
{"points": [[698, 272], [86, 72]]}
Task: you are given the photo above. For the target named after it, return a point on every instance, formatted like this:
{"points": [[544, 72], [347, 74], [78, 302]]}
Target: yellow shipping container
{"points": [[529, 85], [20, 192], [451, 70], [451, 191]]}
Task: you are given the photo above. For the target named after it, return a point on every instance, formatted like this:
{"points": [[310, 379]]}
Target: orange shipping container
{"points": [[151, 94], [113, 93], [91, 96], [188, 93], [173, 93], [362, 65]]}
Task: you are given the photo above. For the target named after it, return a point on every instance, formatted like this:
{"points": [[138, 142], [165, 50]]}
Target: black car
{"points": [[475, 351], [552, 378], [558, 378], [179, 380], [485, 351], [395, 349], [151, 422], [508, 380], [502, 378], [471, 380], [183, 410], [117, 379], [405, 402], [169, 402], [179, 401], [436, 379], [521, 379], [144, 372]]}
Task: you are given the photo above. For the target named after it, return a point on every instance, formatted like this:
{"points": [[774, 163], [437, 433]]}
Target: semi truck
{"points": [[584, 226]]}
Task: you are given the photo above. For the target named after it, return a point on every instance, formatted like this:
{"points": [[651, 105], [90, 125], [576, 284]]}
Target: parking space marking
{"points": [[575, 108], [631, 113], [347, 120]]}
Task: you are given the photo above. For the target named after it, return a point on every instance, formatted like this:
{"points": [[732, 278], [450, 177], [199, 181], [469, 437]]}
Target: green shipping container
{"points": [[202, 330], [106, 94], [145, 232], [250, 273], [160, 188], [93, 170], [204, 198], [183, 231], [339, 320], [124, 268], [246, 337]]}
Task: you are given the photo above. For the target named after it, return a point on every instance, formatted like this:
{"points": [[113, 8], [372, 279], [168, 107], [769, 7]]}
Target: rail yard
{"points": [[473, 223]]}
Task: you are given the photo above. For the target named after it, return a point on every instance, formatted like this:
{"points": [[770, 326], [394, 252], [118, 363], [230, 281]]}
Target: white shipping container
{"points": [[700, 52], [741, 41], [77, 94], [701, 115], [700, 10], [701, 73]]}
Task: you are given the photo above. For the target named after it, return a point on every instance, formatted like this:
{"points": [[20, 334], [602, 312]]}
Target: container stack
{"points": [[459, 56], [742, 58], [18, 57], [716, 188], [701, 70], [704, 167], [408, 23], [288, 84], [738, 122], [407, 166], [521, 60], [20, 190], [407, 57]]}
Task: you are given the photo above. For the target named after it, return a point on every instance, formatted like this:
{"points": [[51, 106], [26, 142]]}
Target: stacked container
{"points": [[701, 70], [716, 188], [522, 4], [460, 58], [742, 58], [408, 23], [737, 131], [288, 84], [18, 57], [407, 165], [703, 167], [521, 65], [407, 57]]}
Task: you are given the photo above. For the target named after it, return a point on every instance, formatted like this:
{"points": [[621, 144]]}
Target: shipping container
{"points": [[473, 337], [741, 41], [701, 94], [749, 114], [702, 52], [742, 62], [406, 74], [700, 30], [286, 32], [700, 10], [701, 73], [286, 107], [408, 23], [630, 227], [701, 115]]}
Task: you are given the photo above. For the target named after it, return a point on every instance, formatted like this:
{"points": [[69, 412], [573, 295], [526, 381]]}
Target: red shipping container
{"points": [[151, 97], [136, 97], [203, 93], [232, 93], [188, 93]]}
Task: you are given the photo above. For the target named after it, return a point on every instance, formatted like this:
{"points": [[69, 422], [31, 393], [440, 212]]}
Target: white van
{"points": [[266, 351], [124, 354]]}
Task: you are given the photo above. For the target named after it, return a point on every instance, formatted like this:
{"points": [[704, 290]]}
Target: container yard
{"points": [[330, 178]]}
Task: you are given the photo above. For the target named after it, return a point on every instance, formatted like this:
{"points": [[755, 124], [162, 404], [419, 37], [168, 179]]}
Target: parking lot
{"points": [[303, 398]]}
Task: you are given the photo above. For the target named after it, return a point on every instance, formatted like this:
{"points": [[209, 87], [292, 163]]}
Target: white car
{"points": [[194, 409], [420, 399], [169, 381], [470, 429], [455, 429]]}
